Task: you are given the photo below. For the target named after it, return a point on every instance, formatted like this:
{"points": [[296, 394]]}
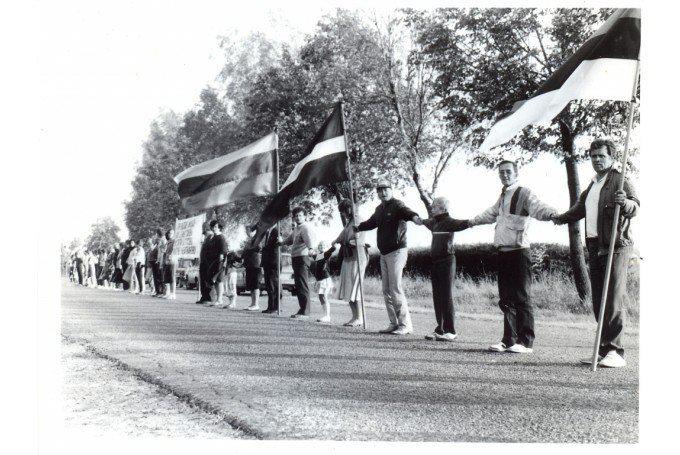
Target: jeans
{"points": [[443, 274], [514, 287], [615, 312], [158, 278], [271, 283], [391, 270], [301, 276]]}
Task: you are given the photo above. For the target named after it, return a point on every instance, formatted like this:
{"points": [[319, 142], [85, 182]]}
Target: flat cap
{"points": [[382, 183]]}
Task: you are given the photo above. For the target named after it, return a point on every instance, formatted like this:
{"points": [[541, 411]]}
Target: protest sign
{"points": [[188, 236]]}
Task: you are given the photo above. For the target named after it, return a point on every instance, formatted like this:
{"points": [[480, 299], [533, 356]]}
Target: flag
{"points": [[244, 173], [603, 68], [324, 161]]}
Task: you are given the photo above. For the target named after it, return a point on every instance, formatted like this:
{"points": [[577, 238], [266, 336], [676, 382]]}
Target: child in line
{"points": [[230, 278], [324, 282]]}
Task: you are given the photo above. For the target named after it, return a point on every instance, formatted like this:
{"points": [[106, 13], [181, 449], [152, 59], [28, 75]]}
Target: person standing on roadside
{"points": [[596, 204], [204, 282], [390, 219], [511, 213], [215, 255], [161, 243], [443, 272], [125, 262], [170, 266], [140, 260], [252, 261], [301, 242], [148, 264], [270, 263]]}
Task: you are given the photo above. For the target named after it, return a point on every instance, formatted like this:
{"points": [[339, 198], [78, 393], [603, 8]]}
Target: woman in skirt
{"points": [[349, 277]]}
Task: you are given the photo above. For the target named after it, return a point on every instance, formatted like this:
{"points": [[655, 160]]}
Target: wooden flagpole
{"points": [[615, 223], [354, 215], [278, 230]]}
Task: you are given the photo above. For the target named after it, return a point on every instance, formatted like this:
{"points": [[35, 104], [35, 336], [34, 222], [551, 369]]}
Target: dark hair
{"points": [[215, 222], [159, 232], [514, 164], [297, 210], [606, 143]]}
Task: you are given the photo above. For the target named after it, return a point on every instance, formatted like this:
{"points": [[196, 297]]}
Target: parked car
{"points": [[287, 281], [191, 277], [183, 266]]}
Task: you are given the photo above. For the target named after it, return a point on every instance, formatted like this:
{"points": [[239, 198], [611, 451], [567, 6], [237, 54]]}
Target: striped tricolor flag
{"points": [[244, 173], [324, 162], [603, 68]]}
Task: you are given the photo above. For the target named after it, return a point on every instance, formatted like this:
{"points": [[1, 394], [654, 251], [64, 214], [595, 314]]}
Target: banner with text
{"points": [[188, 237]]}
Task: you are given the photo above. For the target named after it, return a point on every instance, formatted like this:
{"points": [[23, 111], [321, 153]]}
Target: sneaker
{"points": [[589, 360], [448, 336], [402, 331], [498, 347], [519, 349], [613, 360], [391, 328], [431, 336], [324, 319], [252, 308]]}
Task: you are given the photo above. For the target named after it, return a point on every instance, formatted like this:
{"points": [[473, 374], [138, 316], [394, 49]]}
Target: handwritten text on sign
{"points": [[188, 236]]}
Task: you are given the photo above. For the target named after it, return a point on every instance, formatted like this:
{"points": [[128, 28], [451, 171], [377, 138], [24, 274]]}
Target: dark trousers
{"points": [[81, 273], [301, 277], [443, 274], [139, 271], [271, 282], [614, 312], [158, 278], [206, 285], [514, 287]]}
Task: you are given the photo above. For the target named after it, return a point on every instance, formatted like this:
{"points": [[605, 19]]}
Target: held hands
{"points": [[555, 218], [416, 220]]}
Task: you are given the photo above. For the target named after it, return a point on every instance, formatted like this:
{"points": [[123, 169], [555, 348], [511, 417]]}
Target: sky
{"points": [[110, 68]]}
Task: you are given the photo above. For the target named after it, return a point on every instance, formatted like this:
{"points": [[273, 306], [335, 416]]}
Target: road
{"points": [[277, 378]]}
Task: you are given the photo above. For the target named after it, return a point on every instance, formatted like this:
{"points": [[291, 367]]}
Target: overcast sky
{"points": [[109, 69]]}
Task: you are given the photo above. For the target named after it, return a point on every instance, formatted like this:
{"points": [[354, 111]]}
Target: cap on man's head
{"points": [[382, 183]]}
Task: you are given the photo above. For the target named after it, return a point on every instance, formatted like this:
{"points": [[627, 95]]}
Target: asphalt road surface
{"points": [[278, 378]]}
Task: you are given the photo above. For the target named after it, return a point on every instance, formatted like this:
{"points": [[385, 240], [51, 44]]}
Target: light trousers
{"points": [[391, 270]]}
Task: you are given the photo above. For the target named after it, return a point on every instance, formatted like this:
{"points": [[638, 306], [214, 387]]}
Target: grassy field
{"points": [[551, 293]]}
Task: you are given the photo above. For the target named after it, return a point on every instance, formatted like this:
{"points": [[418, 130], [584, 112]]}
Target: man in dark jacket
{"points": [[443, 270], [390, 219], [252, 261], [124, 255], [596, 204], [203, 268], [270, 262]]}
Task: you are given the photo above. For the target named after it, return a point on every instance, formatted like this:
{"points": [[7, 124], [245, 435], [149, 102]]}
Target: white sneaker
{"points": [[252, 308], [431, 336], [389, 329], [324, 319], [498, 347], [446, 336], [402, 331], [613, 360], [589, 360], [519, 349]]}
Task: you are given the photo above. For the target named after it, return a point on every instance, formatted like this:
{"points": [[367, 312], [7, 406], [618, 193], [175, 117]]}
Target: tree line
{"points": [[419, 86]]}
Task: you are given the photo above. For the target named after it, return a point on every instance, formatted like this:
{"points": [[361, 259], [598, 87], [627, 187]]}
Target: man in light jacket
{"points": [[301, 242], [596, 204], [511, 213]]}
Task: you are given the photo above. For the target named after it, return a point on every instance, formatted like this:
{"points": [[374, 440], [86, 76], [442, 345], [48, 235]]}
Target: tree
{"points": [[488, 59], [104, 234]]}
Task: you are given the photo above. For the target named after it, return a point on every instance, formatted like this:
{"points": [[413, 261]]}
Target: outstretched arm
{"points": [[487, 217]]}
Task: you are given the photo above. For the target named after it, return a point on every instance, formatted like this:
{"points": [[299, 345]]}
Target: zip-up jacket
{"points": [[443, 227], [390, 218], [605, 211], [511, 213]]}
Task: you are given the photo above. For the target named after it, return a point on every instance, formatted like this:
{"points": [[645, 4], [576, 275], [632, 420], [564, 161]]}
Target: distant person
{"points": [[324, 282], [99, 267], [443, 268], [125, 261], [118, 264], [230, 279], [204, 282], [511, 213], [151, 254], [301, 242], [130, 260], [92, 269], [596, 205], [215, 256], [252, 261], [170, 266], [352, 250], [390, 219], [140, 261], [270, 263], [80, 266], [158, 262]]}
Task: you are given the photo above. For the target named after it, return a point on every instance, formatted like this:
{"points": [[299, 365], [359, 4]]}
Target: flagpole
{"points": [[278, 232], [354, 215], [615, 222]]}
